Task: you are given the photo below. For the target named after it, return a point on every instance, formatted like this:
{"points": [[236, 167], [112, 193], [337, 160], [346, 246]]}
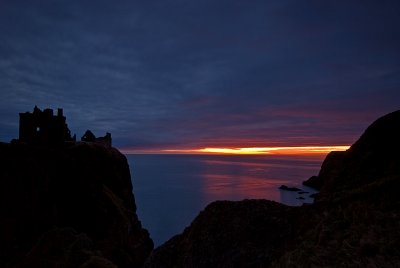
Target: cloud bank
{"points": [[173, 74]]}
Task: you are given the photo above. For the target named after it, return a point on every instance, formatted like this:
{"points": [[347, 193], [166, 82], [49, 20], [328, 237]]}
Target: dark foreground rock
{"points": [[291, 189], [226, 234], [355, 221], [372, 157], [70, 206]]}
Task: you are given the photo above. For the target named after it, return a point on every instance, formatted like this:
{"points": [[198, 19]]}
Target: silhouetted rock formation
{"points": [[68, 206], [226, 234], [373, 156], [354, 222], [291, 189], [328, 169]]}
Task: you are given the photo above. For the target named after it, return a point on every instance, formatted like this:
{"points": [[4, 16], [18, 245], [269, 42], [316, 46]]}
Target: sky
{"points": [[177, 74]]}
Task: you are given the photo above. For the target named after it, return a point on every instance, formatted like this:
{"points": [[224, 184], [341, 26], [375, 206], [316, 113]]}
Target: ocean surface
{"points": [[170, 190]]}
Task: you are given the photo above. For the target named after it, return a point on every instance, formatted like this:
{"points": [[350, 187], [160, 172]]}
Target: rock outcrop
{"points": [[374, 156], [68, 206], [355, 221], [227, 234]]}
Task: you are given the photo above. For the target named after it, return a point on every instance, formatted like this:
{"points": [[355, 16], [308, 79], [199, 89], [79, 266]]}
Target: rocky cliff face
{"points": [[355, 221], [374, 156], [70, 206]]}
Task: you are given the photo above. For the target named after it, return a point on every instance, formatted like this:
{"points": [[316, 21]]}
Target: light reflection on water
{"points": [[170, 190], [237, 178]]}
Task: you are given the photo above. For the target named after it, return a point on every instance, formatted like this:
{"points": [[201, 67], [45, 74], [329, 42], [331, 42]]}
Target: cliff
{"points": [[355, 221], [375, 155], [68, 206]]}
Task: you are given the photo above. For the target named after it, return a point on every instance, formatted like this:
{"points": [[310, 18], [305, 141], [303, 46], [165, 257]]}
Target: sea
{"points": [[170, 190]]}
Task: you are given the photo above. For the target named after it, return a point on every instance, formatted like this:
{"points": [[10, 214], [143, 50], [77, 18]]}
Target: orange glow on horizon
{"points": [[288, 150], [276, 150]]}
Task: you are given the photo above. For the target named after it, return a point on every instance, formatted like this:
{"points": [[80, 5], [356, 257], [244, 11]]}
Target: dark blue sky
{"points": [[160, 74]]}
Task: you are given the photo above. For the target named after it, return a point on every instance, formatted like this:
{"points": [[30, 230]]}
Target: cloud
{"points": [[173, 73]]}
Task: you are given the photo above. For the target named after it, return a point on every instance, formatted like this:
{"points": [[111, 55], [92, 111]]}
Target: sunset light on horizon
{"points": [[287, 150]]}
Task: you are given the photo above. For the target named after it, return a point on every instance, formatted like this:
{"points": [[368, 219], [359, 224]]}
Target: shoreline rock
{"points": [[291, 189]]}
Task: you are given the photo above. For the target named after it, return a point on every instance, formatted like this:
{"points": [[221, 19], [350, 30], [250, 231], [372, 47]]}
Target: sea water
{"points": [[170, 190]]}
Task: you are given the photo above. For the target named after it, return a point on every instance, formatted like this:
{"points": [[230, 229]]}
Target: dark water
{"points": [[171, 190]]}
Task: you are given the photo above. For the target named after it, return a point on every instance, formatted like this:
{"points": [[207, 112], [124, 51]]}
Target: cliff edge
{"points": [[68, 206]]}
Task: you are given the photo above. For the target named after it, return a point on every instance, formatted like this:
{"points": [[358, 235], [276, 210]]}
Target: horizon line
{"points": [[273, 150]]}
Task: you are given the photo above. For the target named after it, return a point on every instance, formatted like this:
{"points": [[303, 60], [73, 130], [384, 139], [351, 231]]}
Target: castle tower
{"points": [[42, 127]]}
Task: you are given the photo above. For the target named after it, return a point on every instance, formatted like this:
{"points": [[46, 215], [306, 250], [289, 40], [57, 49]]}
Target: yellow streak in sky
{"points": [[263, 150]]}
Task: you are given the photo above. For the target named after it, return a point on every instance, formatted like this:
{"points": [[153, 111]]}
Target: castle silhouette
{"points": [[45, 128]]}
